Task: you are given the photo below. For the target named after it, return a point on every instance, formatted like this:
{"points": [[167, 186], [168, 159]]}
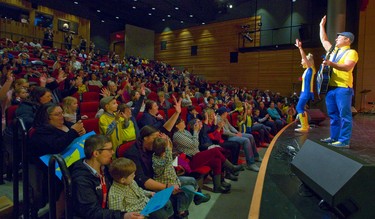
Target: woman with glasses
{"points": [[52, 135]]}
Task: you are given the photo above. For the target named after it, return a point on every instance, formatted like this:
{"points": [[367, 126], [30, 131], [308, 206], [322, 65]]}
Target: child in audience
{"points": [[111, 122], [125, 195], [70, 107], [163, 168], [19, 95]]}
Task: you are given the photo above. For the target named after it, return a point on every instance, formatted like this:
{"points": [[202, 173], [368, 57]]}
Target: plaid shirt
{"points": [[186, 143], [163, 169], [128, 198]]}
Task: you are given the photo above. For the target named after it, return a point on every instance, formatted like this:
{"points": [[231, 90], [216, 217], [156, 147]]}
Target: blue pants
{"points": [[182, 200], [301, 104], [248, 143], [339, 102]]}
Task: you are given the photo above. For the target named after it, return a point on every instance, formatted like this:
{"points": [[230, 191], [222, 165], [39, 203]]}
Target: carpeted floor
{"points": [[236, 204]]}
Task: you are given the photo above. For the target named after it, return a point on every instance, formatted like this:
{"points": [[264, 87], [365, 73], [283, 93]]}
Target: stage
{"points": [[280, 194]]}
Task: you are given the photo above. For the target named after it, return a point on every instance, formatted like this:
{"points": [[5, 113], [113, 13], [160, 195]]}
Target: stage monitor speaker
{"points": [[345, 183]]}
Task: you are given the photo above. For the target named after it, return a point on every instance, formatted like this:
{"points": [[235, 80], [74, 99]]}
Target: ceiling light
{"points": [[134, 7], [163, 19], [149, 14], [182, 22], [153, 9], [191, 15], [117, 17], [135, 0], [230, 6], [102, 21], [76, 3], [176, 8], [203, 23], [98, 11], [168, 15]]}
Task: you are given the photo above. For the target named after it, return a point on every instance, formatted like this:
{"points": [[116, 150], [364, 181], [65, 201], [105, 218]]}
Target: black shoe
{"points": [[200, 199], [226, 185], [231, 177], [238, 168], [221, 189]]}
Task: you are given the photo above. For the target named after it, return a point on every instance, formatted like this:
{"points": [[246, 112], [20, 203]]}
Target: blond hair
{"points": [[310, 57], [67, 102]]}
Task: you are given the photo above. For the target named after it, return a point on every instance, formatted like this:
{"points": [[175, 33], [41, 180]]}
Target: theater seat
{"points": [[89, 108], [123, 148], [90, 96], [10, 114], [91, 125]]}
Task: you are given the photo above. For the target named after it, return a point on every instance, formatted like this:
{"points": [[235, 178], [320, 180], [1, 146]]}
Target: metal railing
{"points": [[52, 189], [20, 151]]}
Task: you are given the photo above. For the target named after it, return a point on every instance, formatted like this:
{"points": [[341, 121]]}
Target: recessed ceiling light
{"points": [[230, 6], [163, 19], [203, 23], [191, 15], [182, 22], [135, 0], [117, 17], [102, 21], [176, 8], [168, 15], [98, 11], [76, 3], [134, 7], [150, 14], [153, 9]]}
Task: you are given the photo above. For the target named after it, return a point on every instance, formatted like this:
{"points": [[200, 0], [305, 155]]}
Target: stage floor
{"points": [[283, 196]]}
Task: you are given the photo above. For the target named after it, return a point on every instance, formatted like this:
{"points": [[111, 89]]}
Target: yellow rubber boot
{"points": [[304, 123]]}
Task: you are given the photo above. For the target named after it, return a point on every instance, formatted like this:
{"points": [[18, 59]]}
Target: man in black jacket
{"points": [[91, 182]]}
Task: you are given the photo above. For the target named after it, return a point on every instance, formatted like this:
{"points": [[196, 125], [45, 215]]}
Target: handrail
{"points": [[19, 125], [51, 186]]}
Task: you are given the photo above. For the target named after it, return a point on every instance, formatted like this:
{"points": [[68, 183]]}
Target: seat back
{"points": [[123, 148], [90, 96], [93, 88], [91, 125], [10, 114], [89, 108]]}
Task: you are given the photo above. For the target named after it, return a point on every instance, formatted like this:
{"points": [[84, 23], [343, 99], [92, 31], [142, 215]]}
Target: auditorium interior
{"points": [[243, 49]]}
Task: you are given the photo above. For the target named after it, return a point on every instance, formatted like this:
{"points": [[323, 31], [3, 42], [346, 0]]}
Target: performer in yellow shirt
{"points": [[340, 90]]}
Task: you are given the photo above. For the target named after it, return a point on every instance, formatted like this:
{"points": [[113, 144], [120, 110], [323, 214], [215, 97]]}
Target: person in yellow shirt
{"points": [[111, 122], [340, 90]]}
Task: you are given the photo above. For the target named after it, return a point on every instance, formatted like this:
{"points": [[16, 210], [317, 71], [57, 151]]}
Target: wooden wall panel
{"points": [[366, 66], [17, 28], [277, 70]]}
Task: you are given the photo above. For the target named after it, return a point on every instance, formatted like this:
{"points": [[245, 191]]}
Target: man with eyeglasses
{"points": [[91, 181]]}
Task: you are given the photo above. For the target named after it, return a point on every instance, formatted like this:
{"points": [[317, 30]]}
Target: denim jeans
{"points": [[182, 200], [164, 212], [248, 144]]}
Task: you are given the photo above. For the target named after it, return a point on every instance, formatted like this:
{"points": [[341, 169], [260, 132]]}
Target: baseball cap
{"points": [[105, 100], [222, 110], [348, 35]]}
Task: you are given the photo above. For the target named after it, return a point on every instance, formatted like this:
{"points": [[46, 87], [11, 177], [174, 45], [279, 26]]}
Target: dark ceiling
{"points": [[156, 15]]}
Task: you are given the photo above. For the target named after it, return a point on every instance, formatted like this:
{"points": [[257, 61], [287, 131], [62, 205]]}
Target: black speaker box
{"points": [[345, 183]]}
